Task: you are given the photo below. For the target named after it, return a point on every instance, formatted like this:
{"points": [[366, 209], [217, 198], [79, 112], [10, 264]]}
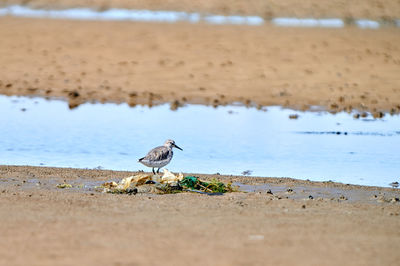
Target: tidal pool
{"points": [[229, 140]]}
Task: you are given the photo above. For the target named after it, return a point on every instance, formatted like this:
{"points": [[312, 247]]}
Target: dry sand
{"points": [[138, 63], [43, 225], [373, 9]]}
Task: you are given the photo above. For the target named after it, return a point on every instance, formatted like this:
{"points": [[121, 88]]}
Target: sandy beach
{"points": [[45, 225], [138, 63], [296, 223]]}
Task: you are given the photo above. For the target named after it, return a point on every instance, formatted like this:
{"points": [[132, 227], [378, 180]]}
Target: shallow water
{"points": [[116, 14], [228, 140]]}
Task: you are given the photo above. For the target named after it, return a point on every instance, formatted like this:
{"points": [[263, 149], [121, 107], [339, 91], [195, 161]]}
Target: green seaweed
{"points": [[214, 186]]}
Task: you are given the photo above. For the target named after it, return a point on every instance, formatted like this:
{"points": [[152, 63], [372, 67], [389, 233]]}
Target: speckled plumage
{"points": [[159, 156]]}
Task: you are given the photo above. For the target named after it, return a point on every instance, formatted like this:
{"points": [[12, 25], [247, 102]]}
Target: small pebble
{"points": [[378, 115], [269, 192], [132, 191], [342, 197]]}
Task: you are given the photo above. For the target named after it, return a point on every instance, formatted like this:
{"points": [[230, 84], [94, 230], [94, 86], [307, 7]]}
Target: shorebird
{"points": [[159, 156]]}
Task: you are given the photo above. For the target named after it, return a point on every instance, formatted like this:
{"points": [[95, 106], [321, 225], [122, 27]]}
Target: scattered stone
{"points": [[270, 192], [378, 115], [175, 105], [310, 197], [356, 116], [293, 116], [289, 190], [73, 94], [131, 191], [394, 199], [364, 114], [342, 197], [303, 206]]}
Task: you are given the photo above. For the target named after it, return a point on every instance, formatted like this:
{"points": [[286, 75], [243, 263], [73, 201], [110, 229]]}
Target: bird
{"points": [[159, 156]]}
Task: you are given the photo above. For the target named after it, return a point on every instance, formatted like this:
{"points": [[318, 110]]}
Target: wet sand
{"points": [[45, 225], [372, 9], [139, 63]]}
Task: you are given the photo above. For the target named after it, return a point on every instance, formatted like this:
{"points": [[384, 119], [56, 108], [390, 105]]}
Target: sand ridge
{"points": [[151, 63]]}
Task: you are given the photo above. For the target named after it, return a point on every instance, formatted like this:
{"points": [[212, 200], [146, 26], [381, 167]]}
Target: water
{"points": [[228, 140], [115, 14]]}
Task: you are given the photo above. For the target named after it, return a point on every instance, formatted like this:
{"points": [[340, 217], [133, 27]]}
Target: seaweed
{"points": [[214, 186], [169, 183]]}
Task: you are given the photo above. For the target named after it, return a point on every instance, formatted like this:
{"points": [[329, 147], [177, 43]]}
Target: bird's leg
{"points": [[154, 171], [158, 170]]}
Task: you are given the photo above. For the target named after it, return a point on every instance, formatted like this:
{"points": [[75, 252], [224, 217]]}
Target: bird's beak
{"points": [[176, 146]]}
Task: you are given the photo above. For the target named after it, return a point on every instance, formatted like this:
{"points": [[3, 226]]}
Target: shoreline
{"points": [[54, 226], [370, 9], [255, 182]]}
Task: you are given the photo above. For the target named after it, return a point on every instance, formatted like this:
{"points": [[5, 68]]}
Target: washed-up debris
{"points": [[125, 184], [170, 178], [166, 184], [215, 186], [64, 185]]}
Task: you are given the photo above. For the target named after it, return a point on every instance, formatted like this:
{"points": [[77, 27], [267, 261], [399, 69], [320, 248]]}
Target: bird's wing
{"points": [[158, 154]]}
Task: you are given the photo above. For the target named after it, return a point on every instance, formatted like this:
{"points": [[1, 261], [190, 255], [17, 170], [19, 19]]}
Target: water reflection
{"points": [[116, 14], [228, 140]]}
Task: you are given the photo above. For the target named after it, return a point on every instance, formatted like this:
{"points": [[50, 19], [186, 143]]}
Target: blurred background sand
{"points": [[152, 63], [372, 9]]}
